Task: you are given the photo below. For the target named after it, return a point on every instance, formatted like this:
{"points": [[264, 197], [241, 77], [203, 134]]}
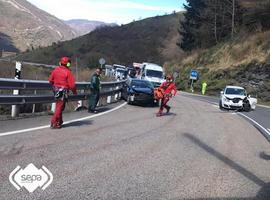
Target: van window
{"points": [[153, 73]]}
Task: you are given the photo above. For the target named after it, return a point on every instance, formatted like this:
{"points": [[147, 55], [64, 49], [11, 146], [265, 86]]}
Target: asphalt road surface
{"points": [[260, 117], [196, 152]]}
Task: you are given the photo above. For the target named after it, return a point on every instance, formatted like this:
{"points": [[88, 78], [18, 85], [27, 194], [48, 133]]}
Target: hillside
{"points": [[24, 26], [83, 26], [243, 61], [226, 54], [152, 40]]}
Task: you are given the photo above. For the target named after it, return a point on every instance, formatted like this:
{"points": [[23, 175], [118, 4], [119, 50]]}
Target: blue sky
{"points": [[116, 11]]}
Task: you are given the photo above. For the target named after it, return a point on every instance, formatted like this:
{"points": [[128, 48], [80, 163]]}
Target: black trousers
{"points": [[93, 100]]}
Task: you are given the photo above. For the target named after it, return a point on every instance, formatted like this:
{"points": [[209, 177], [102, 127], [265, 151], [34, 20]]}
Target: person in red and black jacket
{"points": [[168, 89], [62, 80]]}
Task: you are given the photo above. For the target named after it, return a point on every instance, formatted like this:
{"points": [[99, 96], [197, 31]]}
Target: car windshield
{"points": [[141, 84], [153, 73], [235, 91]]}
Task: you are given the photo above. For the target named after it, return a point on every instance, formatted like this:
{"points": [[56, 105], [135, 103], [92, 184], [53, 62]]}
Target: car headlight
{"points": [[225, 99]]}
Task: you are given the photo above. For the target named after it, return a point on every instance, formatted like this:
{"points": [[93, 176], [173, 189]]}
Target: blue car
{"points": [[138, 91]]}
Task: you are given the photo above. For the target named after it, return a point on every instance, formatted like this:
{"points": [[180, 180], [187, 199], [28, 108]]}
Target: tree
{"points": [[207, 22], [191, 24]]}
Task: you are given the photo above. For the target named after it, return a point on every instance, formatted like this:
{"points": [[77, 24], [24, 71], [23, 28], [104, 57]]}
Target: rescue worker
{"points": [[95, 91], [62, 81], [168, 89], [204, 85]]}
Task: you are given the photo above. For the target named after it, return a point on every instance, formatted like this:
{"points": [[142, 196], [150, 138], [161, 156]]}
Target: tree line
{"points": [[208, 22]]}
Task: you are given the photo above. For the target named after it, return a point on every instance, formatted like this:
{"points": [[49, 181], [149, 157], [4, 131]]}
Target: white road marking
{"points": [[68, 122], [263, 106], [267, 131]]}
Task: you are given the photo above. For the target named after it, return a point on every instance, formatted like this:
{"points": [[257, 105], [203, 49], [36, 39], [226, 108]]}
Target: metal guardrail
{"points": [[107, 89]]}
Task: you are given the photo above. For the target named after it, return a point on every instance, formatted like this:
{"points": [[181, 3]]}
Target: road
{"points": [[197, 152], [260, 118]]}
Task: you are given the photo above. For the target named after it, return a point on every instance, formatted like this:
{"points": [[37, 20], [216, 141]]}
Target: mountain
{"points": [[150, 40], [83, 26], [24, 26]]}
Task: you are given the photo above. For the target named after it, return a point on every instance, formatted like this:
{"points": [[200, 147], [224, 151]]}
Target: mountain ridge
{"points": [[150, 40], [84, 26], [27, 27]]}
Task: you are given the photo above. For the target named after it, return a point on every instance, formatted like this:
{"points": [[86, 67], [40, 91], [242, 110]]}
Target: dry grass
{"points": [[242, 51]]}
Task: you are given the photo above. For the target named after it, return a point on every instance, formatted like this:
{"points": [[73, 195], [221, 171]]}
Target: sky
{"points": [[110, 11]]}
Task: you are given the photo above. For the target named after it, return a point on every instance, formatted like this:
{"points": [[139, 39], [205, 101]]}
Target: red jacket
{"points": [[63, 77], [168, 88]]}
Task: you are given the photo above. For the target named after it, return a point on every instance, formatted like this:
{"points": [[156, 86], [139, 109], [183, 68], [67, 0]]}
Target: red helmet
{"points": [[64, 61]]}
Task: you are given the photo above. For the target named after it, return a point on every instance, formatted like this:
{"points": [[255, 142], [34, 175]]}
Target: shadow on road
{"points": [[103, 109], [264, 156], [264, 192], [168, 114], [78, 123]]}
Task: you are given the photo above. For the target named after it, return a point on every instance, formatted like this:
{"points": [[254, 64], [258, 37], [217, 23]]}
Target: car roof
{"points": [[236, 87]]}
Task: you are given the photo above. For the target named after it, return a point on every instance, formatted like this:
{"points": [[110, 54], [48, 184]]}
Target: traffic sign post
{"points": [[193, 77], [102, 61]]}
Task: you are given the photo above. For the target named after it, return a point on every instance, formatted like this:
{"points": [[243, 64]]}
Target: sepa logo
{"points": [[31, 178]]}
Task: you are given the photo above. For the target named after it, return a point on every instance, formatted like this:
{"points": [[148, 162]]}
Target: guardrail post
{"points": [[109, 99], [116, 94], [53, 107], [15, 108]]}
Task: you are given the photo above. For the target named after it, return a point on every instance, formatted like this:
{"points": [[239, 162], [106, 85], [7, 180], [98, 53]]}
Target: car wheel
{"points": [[246, 107], [155, 103]]}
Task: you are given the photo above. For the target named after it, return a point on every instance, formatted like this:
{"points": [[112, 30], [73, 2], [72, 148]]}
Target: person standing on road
{"points": [[204, 85], [95, 91], [62, 81], [168, 89]]}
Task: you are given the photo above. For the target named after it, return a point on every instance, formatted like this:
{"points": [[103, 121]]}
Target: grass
{"points": [[243, 61]]}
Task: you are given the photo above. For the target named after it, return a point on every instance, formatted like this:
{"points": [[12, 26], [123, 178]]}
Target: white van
{"points": [[153, 73], [120, 71]]}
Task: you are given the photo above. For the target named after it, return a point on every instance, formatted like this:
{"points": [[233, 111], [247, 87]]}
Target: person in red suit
{"points": [[62, 81], [168, 89]]}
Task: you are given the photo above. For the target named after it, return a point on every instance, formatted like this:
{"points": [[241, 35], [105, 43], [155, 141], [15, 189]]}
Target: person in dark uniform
{"points": [[95, 91]]}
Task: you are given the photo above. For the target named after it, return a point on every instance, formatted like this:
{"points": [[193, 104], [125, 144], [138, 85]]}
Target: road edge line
{"points": [[256, 123], [68, 122]]}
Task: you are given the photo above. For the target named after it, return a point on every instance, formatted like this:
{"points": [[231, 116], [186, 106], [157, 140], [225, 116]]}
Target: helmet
{"points": [[169, 78], [65, 61]]}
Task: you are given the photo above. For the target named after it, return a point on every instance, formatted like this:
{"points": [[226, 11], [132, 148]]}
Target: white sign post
{"points": [[18, 69], [102, 61]]}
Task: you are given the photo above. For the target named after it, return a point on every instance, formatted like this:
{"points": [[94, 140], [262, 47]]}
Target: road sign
{"points": [[194, 75], [102, 61]]}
